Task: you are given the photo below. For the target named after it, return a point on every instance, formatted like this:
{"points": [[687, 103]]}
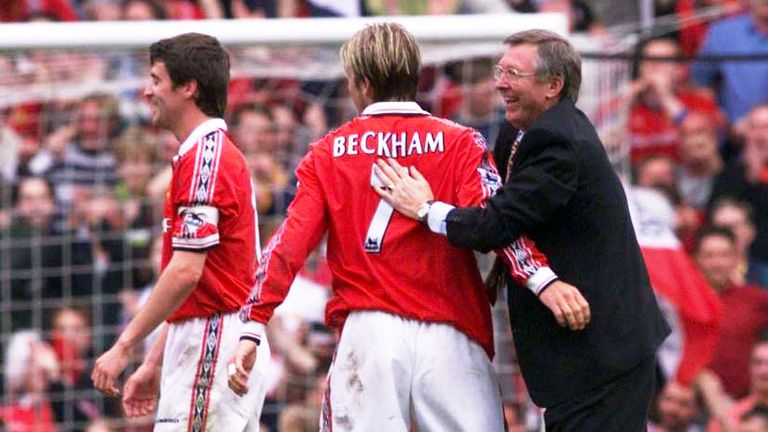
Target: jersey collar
{"points": [[381, 108], [203, 129]]}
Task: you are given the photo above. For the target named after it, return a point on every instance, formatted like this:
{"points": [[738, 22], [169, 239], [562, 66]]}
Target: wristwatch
{"points": [[423, 211]]}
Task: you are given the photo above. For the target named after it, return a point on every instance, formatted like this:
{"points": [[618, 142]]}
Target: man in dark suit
{"points": [[562, 192]]}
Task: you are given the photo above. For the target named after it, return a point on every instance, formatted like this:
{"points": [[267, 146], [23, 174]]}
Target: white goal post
{"points": [[283, 31]]}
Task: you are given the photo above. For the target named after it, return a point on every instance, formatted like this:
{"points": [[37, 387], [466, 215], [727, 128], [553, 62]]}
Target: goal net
{"points": [[78, 251]]}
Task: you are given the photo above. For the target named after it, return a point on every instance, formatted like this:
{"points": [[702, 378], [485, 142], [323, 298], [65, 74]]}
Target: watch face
{"points": [[422, 211]]}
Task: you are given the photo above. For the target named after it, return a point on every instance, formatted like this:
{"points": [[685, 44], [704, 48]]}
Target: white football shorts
{"points": [[194, 395]]}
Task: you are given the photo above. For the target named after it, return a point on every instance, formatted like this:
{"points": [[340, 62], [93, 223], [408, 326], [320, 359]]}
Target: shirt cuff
{"points": [[540, 280], [438, 212], [253, 330]]}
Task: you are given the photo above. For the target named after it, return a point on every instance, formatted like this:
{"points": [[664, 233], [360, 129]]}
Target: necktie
{"points": [[495, 278], [512, 152]]}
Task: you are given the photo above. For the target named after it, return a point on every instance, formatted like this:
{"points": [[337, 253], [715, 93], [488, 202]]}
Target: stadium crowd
{"points": [[82, 182]]}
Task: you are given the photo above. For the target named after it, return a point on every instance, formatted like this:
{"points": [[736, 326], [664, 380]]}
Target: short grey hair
{"points": [[555, 57]]}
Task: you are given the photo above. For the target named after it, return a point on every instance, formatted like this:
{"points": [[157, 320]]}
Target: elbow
{"points": [[191, 275], [188, 272]]}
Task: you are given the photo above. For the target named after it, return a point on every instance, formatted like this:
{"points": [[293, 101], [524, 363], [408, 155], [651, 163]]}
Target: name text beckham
{"points": [[388, 144]]}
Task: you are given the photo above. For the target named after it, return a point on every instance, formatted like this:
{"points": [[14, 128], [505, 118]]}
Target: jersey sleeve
{"points": [[480, 180], [200, 194], [304, 226]]}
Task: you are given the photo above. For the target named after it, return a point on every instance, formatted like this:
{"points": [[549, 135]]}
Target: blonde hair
{"points": [[386, 55]]}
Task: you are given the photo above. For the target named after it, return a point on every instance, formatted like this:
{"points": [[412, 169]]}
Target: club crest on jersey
{"points": [[190, 223], [372, 245]]}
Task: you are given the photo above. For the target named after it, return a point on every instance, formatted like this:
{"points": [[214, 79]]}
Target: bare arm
{"points": [[174, 285]]}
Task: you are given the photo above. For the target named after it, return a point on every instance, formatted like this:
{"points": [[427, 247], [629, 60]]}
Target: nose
{"points": [[147, 90], [501, 83]]}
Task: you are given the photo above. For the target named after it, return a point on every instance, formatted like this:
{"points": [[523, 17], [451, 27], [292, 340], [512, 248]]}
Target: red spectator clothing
{"points": [[745, 316], [185, 10], [16, 10], [26, 417], [406, 270], [652, 132], [209, 206]]}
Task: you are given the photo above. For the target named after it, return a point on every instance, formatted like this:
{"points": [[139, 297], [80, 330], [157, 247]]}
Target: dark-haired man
{"points": [[210, 245]]}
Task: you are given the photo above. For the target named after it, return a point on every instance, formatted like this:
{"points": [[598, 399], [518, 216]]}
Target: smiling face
{"points": [[525, 97], [165, 100]]}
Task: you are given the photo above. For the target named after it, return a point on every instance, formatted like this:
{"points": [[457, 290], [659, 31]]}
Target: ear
{"points": [[365, 84], [555, 87], [189, 88]]}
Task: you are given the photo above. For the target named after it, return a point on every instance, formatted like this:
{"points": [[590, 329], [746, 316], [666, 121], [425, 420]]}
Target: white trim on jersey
{"points": [[190, 243], [203, 129], [207, 161], [379, 108]]}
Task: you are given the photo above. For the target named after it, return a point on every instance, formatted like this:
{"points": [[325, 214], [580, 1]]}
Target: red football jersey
{"points": [[379, 259], [210, 206]]}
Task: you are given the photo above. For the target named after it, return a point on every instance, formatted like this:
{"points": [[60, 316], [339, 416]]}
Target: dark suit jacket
{"points": [[564, 194]]}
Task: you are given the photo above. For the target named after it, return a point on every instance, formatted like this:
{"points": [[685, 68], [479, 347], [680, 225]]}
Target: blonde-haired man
{"points": [[416, 346]]}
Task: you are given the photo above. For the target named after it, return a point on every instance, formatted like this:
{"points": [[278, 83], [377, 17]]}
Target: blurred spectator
{"points": [[37, 245], [676, 409], [661, 98], [29, 366], [740, 85], [755, 420], [692, 34], [194, 9], [78, 156], [253, 128], [411, 7], [745, 308], [736, 216], [727, 416], [480, 106], [143, 10], [73, 401], [747, 180], [292, 139], [168, 147], [136, 151], [16, 151], [700, 161], [23, 10], [102, 10], [659, 172], [580, 16], [304, 415], [266, 8]]}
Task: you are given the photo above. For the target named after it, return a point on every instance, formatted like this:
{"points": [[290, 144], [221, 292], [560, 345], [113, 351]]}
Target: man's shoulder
{"points": [[558, 120], [730, 26]]}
